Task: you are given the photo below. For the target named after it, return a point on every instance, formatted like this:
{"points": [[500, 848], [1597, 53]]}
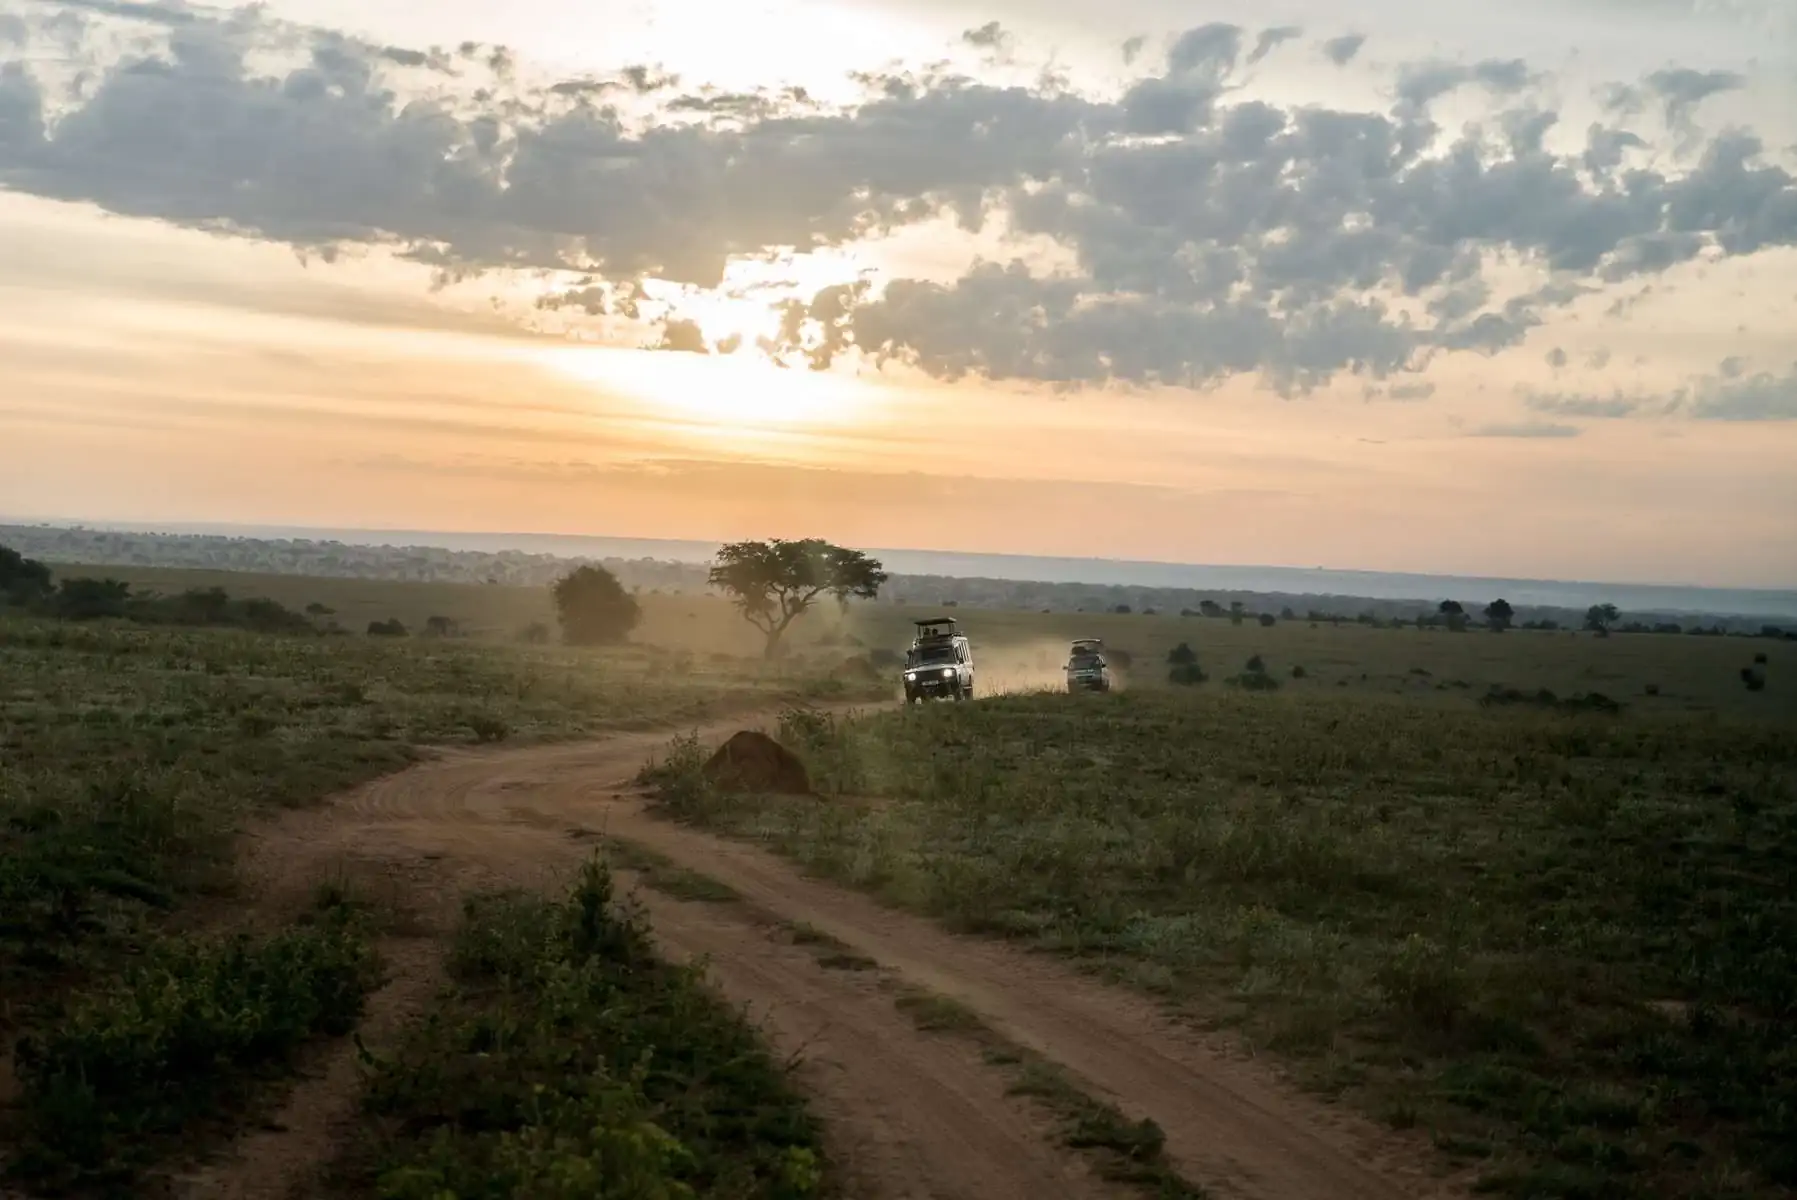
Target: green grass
{"points": [[568, 1061], [131, 755], [1122, 1150], [1021, 650], [1564, 944], [180, 1038], [668, 877]]}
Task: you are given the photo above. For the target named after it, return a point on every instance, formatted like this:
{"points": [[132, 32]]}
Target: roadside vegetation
{"points": [[569, 1061], [1561, 942], [134, 744], [182, 1037]]}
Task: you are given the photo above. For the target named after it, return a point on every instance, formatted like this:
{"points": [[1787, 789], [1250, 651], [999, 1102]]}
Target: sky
{"points": [[1499, 289]]}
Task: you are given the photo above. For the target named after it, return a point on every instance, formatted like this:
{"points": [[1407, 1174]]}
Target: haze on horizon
{"points": [[1385, 286]]}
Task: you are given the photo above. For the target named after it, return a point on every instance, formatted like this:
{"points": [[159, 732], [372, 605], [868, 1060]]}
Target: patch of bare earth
{"points": [[911, 1113]]}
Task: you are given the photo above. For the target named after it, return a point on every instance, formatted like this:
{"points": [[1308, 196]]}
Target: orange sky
{"points": [[155, 374]]}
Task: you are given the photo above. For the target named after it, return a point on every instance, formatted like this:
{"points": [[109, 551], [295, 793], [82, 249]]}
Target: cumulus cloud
{"points": [[1342, 50], [1681, 89], [1207, 235]]}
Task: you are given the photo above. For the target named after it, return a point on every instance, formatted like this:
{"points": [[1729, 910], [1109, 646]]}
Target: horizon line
{"points": [[191, 528]]}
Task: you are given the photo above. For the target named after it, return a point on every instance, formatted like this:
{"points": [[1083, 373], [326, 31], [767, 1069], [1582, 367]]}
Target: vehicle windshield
{"points": [[1085, 662], [933, 656]]}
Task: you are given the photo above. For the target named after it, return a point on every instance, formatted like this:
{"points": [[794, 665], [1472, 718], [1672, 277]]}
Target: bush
{"points": [[1299, 672], [1754, 679], [1268, 620], [534, 634], [23, 581], [169, 1040], [1187, 674], [593, 607], [391, 627], [1181, 655], [1257, 665], [1253, 681], [571, 1062]]}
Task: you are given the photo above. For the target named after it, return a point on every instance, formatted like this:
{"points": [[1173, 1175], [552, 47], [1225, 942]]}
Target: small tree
{"points": [[593, 607], [1210, 608], [22, 580], [1268, 620], [1236, 612], [1499, 614], [1454, 613], [773, 582], [1599, 618], [1181, 655]]}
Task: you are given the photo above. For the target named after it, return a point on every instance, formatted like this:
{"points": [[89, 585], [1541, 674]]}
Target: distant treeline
{"points": [[425, 564]]}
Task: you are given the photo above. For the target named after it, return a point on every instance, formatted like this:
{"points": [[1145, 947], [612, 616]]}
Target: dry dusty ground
{"points": [[912, 1114]]}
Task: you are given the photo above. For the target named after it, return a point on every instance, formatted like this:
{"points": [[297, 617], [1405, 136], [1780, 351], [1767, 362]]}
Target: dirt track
{"points": [[914, 1115]]}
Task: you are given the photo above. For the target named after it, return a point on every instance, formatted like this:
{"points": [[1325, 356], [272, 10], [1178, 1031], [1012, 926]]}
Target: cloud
{"points": [[1681, 89], [1573, 404], [990, 36], [1741, 397], [1271, 39], [1342, 50], [1527, 429], [1207, 235], [1729, 394]]}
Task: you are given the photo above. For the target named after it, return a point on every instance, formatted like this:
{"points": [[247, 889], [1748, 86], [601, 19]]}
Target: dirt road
{"points": [[913, 1115]]}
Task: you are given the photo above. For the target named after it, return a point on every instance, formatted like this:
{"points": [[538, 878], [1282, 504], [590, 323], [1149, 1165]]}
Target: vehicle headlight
{"points": [[947, 671], [910, 674]]}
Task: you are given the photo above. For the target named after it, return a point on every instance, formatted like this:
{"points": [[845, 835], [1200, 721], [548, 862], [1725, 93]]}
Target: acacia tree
{"points": [[1454, 613], [593, 607], [1599, 618], [1499, 614], [773, 582]]}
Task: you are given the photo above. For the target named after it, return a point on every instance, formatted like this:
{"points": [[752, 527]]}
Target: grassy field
{"points": [[130, 755], [1016, 650], [1560, 940], [570, 1062], [1564, 944]]}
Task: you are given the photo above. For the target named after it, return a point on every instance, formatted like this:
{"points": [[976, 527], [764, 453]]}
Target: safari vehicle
{"points": [[1087, 670], [939, 663]]}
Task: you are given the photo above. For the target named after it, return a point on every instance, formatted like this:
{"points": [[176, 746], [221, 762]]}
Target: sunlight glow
{"points": [[735, 395]]}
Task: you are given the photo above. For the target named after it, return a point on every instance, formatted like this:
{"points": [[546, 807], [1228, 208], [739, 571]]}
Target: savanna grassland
{"points": [[1025, 650], [1563, 943], [1553, 932], [137, 1011]]}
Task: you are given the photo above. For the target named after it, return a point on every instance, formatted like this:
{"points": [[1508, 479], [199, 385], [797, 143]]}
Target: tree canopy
{"points": [[1599, 618], [773, 582], [1499, 614], [593, 607], [22, 580]]}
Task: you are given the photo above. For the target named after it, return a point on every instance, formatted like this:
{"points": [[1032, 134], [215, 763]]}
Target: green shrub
{"points": [[173, 1038], [571, 1062]]}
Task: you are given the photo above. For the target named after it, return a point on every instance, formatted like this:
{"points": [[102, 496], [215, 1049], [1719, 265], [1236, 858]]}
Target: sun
{"points": [[730, 395]]}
